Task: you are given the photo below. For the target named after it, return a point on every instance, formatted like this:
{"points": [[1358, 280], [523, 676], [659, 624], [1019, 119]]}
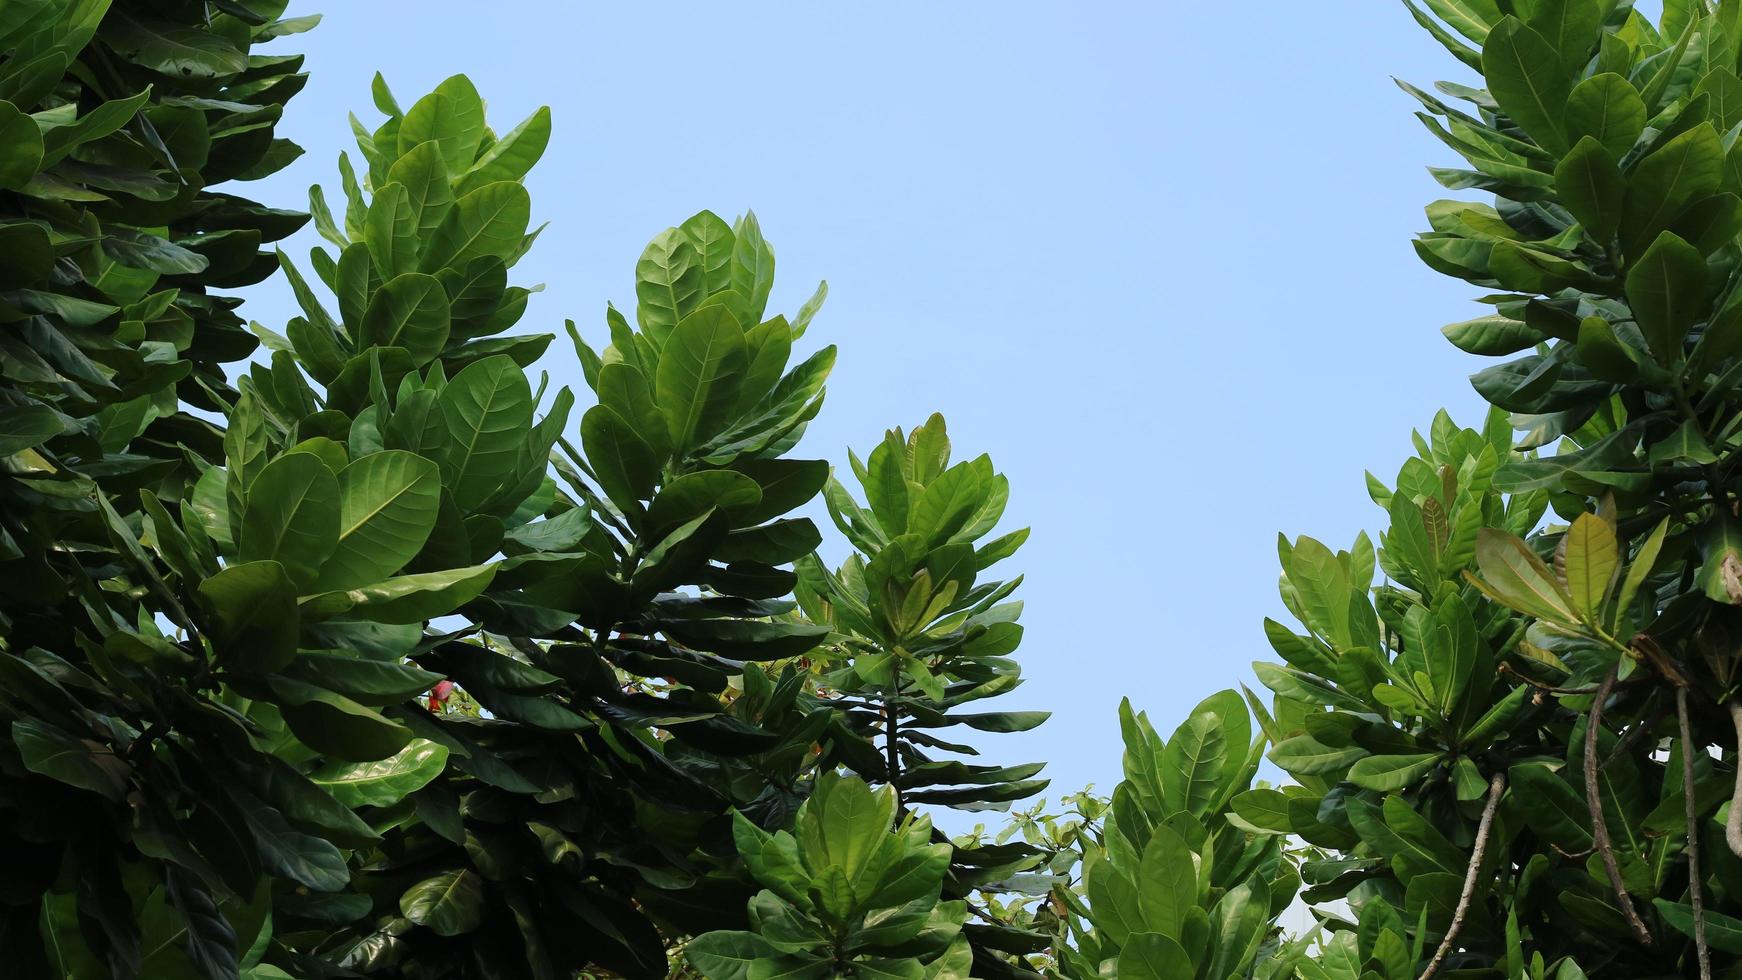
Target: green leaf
{"points": [[752, 269], [1551, 807], [404, 599], [1493, 335], [20, 147], [626, 467], [393, 234], [171, 49], [727, 955], [448, 904], [1167, 882], [453, 117], [292, 516], [488, 409], [335, 725], [1608, 109], [383, 782], [1390, 773], [1591, 186], [712, 239], [255, 616], [82, 763], [428, 192], [1661, 186], [668, 284], [1592, 559], [1667, 290], [1643, 561], [1514, 575], [410, 311], [25, 426], [1471, 18], [1530, 81], [1152, 956], [699, 372], [490, 221], [513, 155], [1722, 931], [387, 508]]}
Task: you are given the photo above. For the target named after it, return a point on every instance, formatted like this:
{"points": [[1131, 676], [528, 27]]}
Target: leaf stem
{"points": [[1496, 787]]}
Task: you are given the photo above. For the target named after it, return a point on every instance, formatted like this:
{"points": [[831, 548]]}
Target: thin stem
{"points": [[1696, 882], [1496, 787], [1733, 827], [892, 752], [1599, 823]]}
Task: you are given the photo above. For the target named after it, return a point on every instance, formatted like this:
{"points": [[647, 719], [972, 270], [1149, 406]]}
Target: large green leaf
{"points": [[1661, 186], [1592, 560], [336, 725], [488, 408], [1530, 81], [1668, 293], [1152, 956], [410, 311], [384, 782], [727, 955], [291, 516], [172, 49], [387, 508], [700, 370], [404, 599], [1513, 574], [448, 904], [452, 117], [488, 222], [428, 192], [254, 624], [20, 146], [512, 155], [1591, 186], [668, 284], [392, 230], [1608, 109], [79, 762]]}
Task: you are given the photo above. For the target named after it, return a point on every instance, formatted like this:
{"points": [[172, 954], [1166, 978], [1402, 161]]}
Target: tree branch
{"points": [[1496, 787], [892, 752], [1733, 828], [1599, 823], [1696, 882]]}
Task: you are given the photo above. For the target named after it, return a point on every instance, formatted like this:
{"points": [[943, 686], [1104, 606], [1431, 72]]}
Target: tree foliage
{"points": [[363, 654]]}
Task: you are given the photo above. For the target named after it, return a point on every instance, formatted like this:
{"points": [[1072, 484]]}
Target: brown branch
{"points": [[1599, 823], [1733, 827], [1496, 787], [1696, 884]]}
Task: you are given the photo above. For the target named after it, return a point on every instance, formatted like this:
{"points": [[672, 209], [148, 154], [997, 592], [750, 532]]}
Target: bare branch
{"points": [[1496, 788], [1733, 828], [1599, 823], [1696, 881]]}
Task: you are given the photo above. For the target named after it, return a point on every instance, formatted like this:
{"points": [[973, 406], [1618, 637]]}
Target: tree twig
{"points": [[1496, 788], [1599, 823], [1696, 883]]}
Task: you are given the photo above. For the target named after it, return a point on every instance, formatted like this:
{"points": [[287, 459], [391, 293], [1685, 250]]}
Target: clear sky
{"points": [[1153, 257]]}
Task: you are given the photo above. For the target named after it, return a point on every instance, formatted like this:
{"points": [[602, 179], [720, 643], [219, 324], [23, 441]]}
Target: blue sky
{"points": [[1153, 258]]}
